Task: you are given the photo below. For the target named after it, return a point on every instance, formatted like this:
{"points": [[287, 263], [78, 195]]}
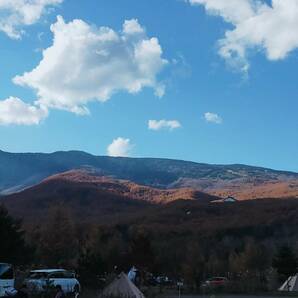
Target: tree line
{"points": [[252, 262]]}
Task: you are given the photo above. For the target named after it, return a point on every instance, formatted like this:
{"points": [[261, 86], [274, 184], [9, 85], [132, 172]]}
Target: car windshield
{"points": [[62, 274], [37, 275], [55, 274]]}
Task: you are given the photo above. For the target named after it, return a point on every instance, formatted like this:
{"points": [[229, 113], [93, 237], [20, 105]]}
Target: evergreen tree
{"points": [[285, 262], [13, 248]]}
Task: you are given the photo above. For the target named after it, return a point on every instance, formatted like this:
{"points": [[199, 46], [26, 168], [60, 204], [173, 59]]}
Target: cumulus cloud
{"points": [[213, 118], [15, 14], [257, 25], [132, 27], [163, 124], [86, 63], [14, 111], [120, 147]]}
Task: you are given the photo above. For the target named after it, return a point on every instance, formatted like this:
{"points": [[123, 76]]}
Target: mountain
{"points": [[93, 198], [182, 213], [21, 170]]}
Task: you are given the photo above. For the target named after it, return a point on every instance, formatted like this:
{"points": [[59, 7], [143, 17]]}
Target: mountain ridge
{"points": [[21, 170], [147, 158]]}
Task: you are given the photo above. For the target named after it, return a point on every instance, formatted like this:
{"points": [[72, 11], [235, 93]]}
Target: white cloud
{"points": [[15, 14], [163, 124], [14, 111], [120, 147], [213, 118], [132, 27], [86, 63], [256, 25]]}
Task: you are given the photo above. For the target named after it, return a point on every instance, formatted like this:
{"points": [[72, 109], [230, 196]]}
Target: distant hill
{"points": [[93, 198], [181, 213], [21, 170]]}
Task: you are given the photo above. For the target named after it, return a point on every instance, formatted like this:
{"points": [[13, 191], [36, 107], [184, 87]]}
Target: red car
{"points": [[215, 282]]}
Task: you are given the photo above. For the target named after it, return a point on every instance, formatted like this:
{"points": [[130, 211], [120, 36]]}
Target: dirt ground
{"points": [[95, 294], [233, 296]]}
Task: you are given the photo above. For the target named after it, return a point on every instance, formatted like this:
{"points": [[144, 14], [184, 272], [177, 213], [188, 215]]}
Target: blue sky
{"points": [[247, 82]]}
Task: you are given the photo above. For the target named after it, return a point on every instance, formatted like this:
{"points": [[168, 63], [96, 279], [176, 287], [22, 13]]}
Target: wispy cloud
{"points": [[163, 124], [213, 118]]}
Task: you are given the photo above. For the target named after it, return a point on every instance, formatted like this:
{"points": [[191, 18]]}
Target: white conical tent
{"points": [[121, 287], [290, 285]]}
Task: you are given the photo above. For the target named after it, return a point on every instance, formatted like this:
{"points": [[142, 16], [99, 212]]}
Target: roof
{"points": [[225, 200], [48, 270], [230, 199], [121, 287]]}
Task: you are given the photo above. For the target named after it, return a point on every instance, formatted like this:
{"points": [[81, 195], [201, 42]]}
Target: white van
{"points": [[41, 280], [6, 279]]}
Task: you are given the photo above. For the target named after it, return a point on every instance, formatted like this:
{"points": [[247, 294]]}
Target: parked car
{"points": [[164, 280], [7, 279], [215, 282], [42, 280]]}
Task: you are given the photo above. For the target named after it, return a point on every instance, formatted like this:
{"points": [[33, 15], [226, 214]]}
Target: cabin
{"points": [[229, 199]]}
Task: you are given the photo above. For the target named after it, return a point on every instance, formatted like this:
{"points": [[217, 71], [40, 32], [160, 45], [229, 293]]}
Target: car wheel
{"points": [[76, 288]]}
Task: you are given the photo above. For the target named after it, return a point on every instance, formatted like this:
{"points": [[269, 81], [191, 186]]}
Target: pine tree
{"points": [[13, 248], [285, 262]]}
